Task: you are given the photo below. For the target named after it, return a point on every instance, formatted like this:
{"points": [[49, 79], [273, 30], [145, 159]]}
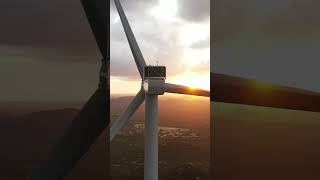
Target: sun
{"points": [[193, 80]]}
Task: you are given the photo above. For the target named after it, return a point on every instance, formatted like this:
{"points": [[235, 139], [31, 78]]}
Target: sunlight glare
{"points": [[166, 10], [193, 80]]}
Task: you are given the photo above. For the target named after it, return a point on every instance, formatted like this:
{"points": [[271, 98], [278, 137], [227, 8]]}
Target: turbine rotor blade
{"points": [[77, 139], [179, 89], [97, 14], [94, 116], [230, 89], [137, 55], [133, 106]]}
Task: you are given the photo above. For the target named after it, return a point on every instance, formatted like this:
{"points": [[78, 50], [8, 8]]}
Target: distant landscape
{"points": [[249, 142], [184, 140], [30, 129]]}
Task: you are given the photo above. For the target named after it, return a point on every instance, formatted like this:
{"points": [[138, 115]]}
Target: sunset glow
{"points": [[193, 80]]}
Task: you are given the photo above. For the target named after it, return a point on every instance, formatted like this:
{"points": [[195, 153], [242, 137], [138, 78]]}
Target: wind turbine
{"points": [[152, 85], [94, 116]]}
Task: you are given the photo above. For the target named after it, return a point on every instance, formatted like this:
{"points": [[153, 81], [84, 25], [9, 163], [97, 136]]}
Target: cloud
{"points": [[159, 40], [205, 43], [53, 26], [136, 6], [300, 18], [192, 10], [290, 18], [58, 31], [275, 41]]}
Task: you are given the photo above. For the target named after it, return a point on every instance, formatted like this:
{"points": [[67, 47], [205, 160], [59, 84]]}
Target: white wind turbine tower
{"points": [[153, 84]]}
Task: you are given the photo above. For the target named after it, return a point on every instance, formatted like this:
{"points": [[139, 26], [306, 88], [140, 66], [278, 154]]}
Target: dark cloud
{"points": [[232, 18], [273, 41], [56, 26], [192, 10], [301, 18]]}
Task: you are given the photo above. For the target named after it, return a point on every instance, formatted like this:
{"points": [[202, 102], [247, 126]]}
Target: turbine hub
{"points": [[154, 86]]}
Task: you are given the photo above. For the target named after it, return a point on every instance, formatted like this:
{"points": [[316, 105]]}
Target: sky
{"points": [[272, 41], [48, 53], [176, 33]]}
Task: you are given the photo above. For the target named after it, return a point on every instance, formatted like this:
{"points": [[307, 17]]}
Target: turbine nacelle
{"points": [[153, 82], [154, 72]]}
